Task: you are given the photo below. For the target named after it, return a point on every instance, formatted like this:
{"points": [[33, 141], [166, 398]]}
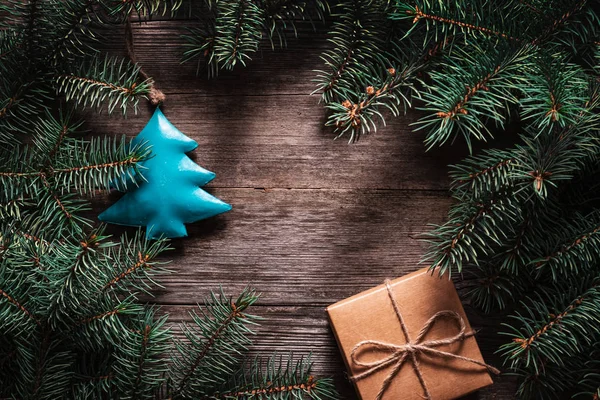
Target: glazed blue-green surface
{"points": [[170, 196]]}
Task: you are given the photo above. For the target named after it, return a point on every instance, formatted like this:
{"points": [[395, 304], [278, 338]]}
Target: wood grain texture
{"points": [[314, 220]]}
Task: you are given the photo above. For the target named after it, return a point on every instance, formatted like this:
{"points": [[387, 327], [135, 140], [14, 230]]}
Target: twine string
{"points": [[155, 96], [399, 354]]}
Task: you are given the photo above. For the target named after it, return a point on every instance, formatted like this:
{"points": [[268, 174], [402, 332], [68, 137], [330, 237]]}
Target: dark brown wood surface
{"points": [[314, 220]]}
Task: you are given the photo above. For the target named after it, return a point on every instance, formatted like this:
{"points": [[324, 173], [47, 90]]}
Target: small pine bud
{"points": [[347, 104], [392, 71], [370, 90]]}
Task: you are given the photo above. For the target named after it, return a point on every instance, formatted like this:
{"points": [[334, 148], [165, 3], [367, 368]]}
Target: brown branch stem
{"points": [[354, 110], [55, 197], [128, 90], [555, 320], [100, 316], [42, 174], [238, 32], [142, 263], [563, 18], [568, 247], [145, 338], [475, 175], [459, 106], [235, 313], [309, 385], [421, 15], [14, 302]]}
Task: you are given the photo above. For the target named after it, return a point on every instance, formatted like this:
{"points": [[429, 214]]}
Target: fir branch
{"points": [[70, 281], [86, 166], [555, 94], [469, 231], [470, 18], [576, 255], [548, 160], [139, 368], [17, 291], [142, 263], [239, 30], [554, 382], [277, 379], [44, 368], [104, 82], [135, 264], [61, 206], [308, 386], [554, 328], [221, 331], [9, 43], [459, 107], [282, 15], [418, 15], [64, 164], [102, 315], [487, 173], [357, 40], [200, 42], [32, 13], [589, 375], [103, 319], [493, 288], [143, 9], [62, 213], [357, 118], [559, 22], [530, 6], [15, 303], [22, 99], [480, 90], [72, 35]]}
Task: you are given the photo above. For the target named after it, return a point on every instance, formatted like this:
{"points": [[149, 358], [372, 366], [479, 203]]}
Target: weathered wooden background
{"points": [[314, 220]]}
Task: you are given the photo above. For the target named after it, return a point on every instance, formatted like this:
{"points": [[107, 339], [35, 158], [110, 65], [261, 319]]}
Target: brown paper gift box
{"points": [[370, 316]]}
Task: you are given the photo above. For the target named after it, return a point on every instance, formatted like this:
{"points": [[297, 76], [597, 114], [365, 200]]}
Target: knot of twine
{"points": [[411, 349]]}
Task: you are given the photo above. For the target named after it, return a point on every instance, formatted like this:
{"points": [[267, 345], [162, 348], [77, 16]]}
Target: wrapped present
{"points": [[409, 339]]}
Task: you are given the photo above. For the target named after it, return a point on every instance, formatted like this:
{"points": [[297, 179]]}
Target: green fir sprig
{"points": [[228, 33]]}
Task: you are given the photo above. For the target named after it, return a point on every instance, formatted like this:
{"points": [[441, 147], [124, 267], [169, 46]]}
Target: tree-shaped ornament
{"points": [[169, 195]]}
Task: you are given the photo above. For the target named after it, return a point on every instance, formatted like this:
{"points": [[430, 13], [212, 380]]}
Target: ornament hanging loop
{"points": [[156, 97]]}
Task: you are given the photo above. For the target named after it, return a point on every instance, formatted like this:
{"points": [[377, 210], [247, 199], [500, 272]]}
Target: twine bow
{"points": [[410, 350]]}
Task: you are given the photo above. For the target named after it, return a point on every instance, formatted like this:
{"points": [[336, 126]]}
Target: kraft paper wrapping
{"points": [[370, 316]]}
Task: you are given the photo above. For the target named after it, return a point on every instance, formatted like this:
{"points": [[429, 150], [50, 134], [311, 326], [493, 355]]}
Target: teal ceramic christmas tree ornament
{"points": [[169, 196]]}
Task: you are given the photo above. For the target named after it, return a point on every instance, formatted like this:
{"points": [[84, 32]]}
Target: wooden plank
{"points": [[259, 141], [302, 247]]}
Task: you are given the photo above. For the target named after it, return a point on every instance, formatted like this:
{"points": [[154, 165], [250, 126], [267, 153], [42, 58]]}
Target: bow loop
{"points": [[371, 346], [446, 314]]}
